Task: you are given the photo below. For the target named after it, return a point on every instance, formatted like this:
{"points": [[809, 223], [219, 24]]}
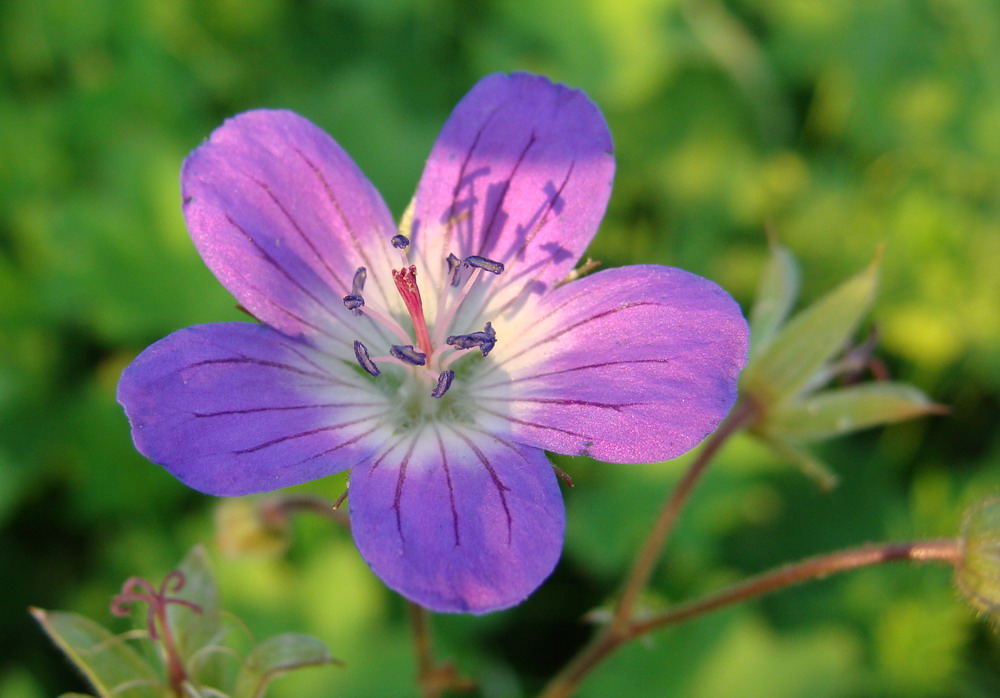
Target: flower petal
{"points": [[235, 408], [458, 520], [521, 174], [283, 217], [636, 364]]}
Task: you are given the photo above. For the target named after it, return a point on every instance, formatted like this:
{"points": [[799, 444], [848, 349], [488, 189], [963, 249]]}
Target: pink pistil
{"points": [[406, 284]]}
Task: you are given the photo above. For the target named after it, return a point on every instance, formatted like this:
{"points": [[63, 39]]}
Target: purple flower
{"points": [[437, 364]]}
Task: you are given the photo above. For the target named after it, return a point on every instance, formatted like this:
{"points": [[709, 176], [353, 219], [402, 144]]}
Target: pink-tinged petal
{"points": [[458, 520], [236, 408], [283, 217], [636, 364], [521, 173]]}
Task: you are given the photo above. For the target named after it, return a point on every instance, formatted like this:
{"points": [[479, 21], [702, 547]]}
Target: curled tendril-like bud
{"points": [[978, 571], [137, 589]]}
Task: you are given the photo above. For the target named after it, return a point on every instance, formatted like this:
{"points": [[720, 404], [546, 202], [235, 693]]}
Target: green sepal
{"points": [[776, 294], [275, 656], [105, 659], [842, 410], [812, 467], [791, 361]]}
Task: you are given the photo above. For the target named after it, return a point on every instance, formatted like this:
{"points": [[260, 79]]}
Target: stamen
{"points": [[453, 265], [406, 283], [444, 318], [354, 302], [485, 264], [361, 352], [358, 284], [408, 354], [444, 382], [484, 340], [401, 242]]}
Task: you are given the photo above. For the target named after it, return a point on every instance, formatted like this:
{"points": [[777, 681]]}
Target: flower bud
{"points": [[241, 529], [978, 571]]}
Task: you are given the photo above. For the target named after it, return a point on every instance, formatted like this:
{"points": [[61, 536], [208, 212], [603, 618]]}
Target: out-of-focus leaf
{"points": [[776, 294], [813, 468], [192, 629], [276, 656], [104, 658], [789, 363], [843, 410]]}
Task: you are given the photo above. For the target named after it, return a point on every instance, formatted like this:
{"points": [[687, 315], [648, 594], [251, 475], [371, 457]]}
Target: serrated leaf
{"points": [[776, 294], [786, 366], [108, 663], [843, 410], [276, 656]]}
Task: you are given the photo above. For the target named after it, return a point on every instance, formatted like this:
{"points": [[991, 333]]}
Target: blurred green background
{"points": [[839, 125]]}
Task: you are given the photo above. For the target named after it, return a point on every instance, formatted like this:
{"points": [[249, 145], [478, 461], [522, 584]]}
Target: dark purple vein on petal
{"points": [[284, 272], [343, 219], [566, 402], [535, 270], [305, 238], [451, 487], [333, 378], [400, 480], [450, 226], [283, 408], [325, 377], [338, 446], [551, 338], [302, 434], [489, 231], [534, 425], [545, 374], [502, 489]]}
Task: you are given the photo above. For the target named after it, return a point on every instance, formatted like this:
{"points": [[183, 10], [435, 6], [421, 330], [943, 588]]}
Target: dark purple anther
{"points": [[353, 303], [484, 264], [444, 382], [484, 340], [400, 242], [358, 285], [361, 352], [407, 354], [453, 265]]}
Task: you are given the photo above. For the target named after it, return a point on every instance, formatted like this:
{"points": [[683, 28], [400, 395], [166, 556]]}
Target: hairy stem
{"points": [[945, 551]]}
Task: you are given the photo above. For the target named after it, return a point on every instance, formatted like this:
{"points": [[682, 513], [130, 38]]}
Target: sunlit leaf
{"points": [[843, 410], [276, 656], [797, 353], [108, 663], [776, 294]]}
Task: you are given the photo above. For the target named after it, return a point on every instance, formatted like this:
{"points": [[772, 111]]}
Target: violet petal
{"points": [[458, 520], [235, 408], [636, 364], [284, 218], [521, 173]]}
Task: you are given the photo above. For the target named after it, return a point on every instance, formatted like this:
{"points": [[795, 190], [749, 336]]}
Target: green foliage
{"points": [[187, 640], [838, 126]]}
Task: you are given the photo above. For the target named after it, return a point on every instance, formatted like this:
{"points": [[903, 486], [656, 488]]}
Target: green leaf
{"points": [[812, 467], [105, 659], [195, 630], [787, 365], [776, 293], [276, 656], [843, 410]]}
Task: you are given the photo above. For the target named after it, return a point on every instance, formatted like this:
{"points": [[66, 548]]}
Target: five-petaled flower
{"points": [[437, 362]]}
